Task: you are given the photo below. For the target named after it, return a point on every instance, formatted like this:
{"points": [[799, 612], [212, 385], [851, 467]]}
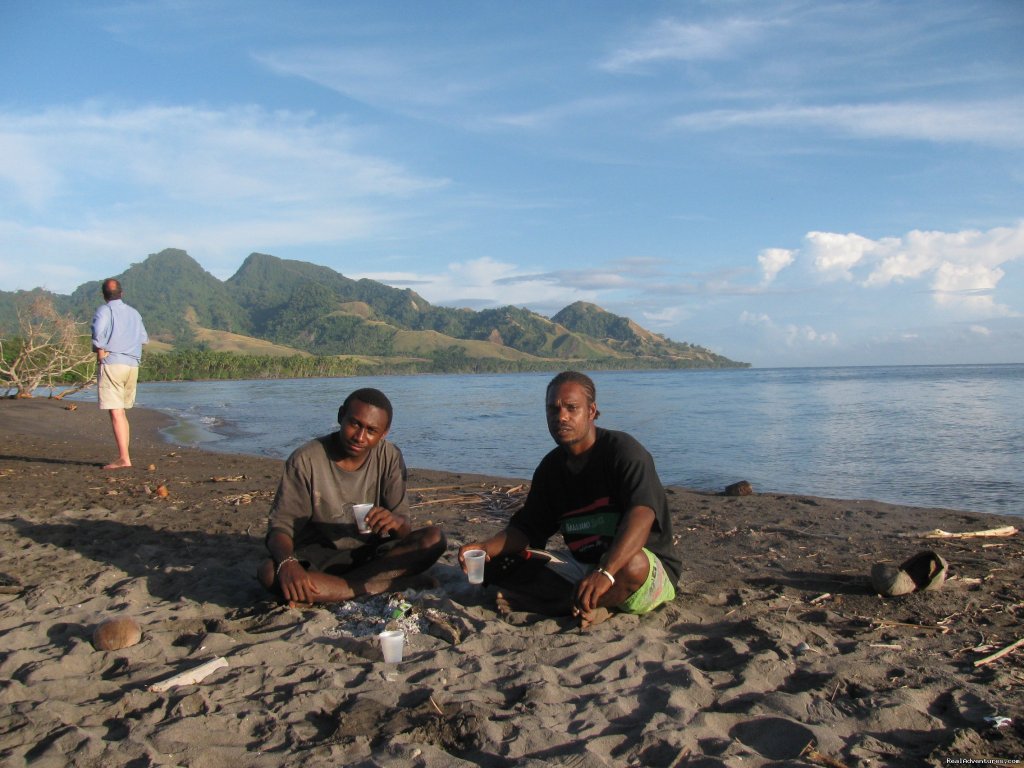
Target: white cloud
{"points": [[835, 255], [981, 330], [998, 123], [666, 316], [968, 286], [396, 77], [26, 168], [108, 185], [755, 318], [556, 114], [670, 40], [964, 268], [484, 282], [773, 261], [201, 156], [793, 335]]}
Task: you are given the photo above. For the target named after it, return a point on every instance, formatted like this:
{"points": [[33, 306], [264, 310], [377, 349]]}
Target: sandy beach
{"points": [[777, 651]]}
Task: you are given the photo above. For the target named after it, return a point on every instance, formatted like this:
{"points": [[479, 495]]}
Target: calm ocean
{"points": [[931, 436]]}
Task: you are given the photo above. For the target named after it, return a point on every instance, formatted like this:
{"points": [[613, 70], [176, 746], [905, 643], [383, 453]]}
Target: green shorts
{"points": [[657, 589]]}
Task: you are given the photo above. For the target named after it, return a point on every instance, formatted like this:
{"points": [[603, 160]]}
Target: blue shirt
{"points": [[118, 328]]}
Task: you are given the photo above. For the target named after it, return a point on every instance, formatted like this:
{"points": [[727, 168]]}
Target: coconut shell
{"points": [[116, 633]]}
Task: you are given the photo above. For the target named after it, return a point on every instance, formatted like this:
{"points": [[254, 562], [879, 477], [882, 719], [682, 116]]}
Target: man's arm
{"points": [[101, 331], [628, 541], [390, 518], [507, 542], [292, 578]]}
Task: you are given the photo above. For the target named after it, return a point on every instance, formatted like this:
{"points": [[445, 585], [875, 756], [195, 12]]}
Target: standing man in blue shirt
{"points": [[117, 338]]}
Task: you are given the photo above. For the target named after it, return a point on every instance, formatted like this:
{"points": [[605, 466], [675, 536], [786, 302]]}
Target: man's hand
{"points": [[589, 591], [466, 547], [295, 583], [383, 522]]}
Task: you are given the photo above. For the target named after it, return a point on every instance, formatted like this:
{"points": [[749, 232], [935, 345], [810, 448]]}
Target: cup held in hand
{"points": [[475, 559], [360, 511]]}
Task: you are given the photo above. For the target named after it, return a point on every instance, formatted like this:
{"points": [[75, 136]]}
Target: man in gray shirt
{"points": [[317, 553], [117, 338]]}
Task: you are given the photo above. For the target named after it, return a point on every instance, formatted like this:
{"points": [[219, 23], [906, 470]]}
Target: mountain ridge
{"points": [[315, 310]]}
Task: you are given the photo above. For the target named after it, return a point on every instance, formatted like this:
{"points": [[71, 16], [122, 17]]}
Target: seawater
{"points": [[931, 436]]}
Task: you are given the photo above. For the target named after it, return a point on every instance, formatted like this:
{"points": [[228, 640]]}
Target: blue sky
{"points": [[787, 183]]}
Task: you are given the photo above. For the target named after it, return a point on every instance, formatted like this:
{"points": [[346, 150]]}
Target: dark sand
{"points": [[775, 645]]}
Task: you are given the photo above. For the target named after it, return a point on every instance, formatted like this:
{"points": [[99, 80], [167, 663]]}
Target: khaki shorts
{"points": [[117, 386]]}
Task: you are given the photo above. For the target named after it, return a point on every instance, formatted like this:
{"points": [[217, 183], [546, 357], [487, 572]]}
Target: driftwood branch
{"points": [[999, 654], [938, 533], [190, 676], [480, 498]]}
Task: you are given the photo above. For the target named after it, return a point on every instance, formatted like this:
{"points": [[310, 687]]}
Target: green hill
{"points": [[625, 336], [274, 307], [164, 288]]}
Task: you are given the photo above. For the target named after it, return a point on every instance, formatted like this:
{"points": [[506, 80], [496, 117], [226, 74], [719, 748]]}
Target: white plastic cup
{"points": [[392, 644], [475, 559], [359, 512]]}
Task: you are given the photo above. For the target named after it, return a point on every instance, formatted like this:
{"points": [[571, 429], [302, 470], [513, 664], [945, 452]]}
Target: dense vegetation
{"points": [[202, 364]]}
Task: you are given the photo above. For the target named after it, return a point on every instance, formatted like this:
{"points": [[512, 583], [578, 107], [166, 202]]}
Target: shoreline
{"points": [[775, 642]]}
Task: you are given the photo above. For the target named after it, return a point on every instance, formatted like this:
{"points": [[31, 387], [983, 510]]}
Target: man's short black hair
{"points": [[370, 396], [575, 377], [111, 289]]}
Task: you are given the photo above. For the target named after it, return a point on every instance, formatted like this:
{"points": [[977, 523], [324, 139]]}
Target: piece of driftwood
{"points": [[481, 498], [999, 654], [938, 533], [190, 676]]}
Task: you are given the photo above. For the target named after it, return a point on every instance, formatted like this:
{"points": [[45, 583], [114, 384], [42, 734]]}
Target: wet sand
{"points": [[776, 652]]}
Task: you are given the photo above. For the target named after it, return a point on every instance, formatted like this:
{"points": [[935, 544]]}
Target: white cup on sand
{"points": [[475, 559], [392, 643], [359, 512]]}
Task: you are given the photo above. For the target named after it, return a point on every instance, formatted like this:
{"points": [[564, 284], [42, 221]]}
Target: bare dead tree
{"points": [[48, 350]]}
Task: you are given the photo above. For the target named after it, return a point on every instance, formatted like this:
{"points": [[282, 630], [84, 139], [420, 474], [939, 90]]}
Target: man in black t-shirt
{"points": [[600, 490]]}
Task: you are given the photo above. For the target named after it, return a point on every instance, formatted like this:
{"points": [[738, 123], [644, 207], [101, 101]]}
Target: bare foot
{"points": [[508, 601], [119, 464], [593, 618], [503, 605]]}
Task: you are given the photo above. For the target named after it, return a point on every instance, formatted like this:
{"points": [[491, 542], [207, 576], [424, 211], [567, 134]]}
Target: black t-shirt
{"points": [[588, 507]]}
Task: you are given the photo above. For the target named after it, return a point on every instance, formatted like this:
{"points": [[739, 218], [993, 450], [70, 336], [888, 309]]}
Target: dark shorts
{"points": [[314, 557]]}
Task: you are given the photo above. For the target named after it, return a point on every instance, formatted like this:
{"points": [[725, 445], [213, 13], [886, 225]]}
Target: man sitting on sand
{"points": [[601, 490], [317, 554]]}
